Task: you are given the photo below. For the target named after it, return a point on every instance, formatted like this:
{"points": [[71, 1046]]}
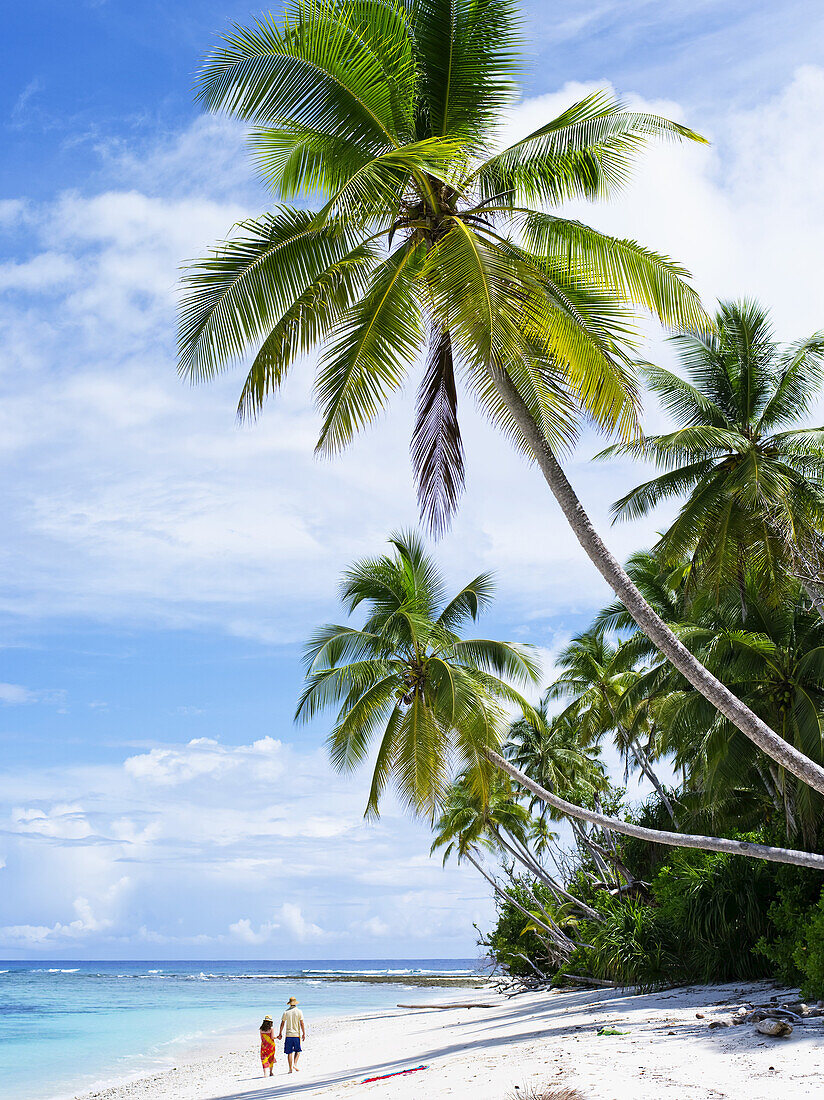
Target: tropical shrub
{"points": [[514, 943], [794, 942], [697, 917], [713, 909]]}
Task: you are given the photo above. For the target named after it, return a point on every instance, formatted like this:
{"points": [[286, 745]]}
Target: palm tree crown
{"points": [[755, 486], [380, 116], [408, 678], [384, 114]]}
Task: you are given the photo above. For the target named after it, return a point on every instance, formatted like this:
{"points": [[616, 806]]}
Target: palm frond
{"points": [[317, 69], [472, 599], [436, 447], [618, 267], [374, 345], [467, 54], [586, 152], [303, 326], [236, 296]]}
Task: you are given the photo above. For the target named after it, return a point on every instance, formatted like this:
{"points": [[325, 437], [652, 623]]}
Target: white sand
{"points": [[550, 1038]]}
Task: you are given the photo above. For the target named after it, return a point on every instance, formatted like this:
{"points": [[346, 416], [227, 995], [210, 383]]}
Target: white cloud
{"points": [[87, 922], [45, 272], [21, 104], [376, 927], [203, 757], [12, 211], [15, 695], [208, 831], [295, 924], [243, 931], [197, 521]]}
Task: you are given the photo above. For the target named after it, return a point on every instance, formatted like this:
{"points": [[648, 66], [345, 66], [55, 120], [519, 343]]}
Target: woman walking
{"points": [[267, 1045]]}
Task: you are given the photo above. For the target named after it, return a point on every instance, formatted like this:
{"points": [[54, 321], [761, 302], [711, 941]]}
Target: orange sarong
{"points": [[267, 1049]]}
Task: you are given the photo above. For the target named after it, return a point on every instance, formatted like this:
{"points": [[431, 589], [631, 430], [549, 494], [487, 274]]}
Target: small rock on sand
{"points": [[774, 1028]]}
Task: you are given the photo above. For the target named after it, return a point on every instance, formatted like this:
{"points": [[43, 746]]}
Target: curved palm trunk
{"points": [[559, 938], [659, 836], [655, 628], [527, 860], [643, 763]]}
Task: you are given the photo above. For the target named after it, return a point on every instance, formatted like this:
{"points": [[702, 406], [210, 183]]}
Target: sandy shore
{"points": [[550, 1039]]}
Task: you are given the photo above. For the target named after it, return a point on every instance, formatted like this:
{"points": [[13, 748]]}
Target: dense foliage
{"points": [[738, 578], [417, 245], [702, 917]]}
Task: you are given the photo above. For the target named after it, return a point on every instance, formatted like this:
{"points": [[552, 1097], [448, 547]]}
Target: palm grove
{"points": [[407, 240]]}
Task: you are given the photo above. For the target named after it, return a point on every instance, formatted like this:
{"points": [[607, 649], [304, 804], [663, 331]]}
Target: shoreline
{"points": [[665, 1049]]}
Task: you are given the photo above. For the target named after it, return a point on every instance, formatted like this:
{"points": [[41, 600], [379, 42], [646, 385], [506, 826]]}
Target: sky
{"points": [[160, 565]]}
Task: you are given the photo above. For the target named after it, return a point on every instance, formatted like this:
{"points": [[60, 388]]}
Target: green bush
{"points": [[701, 917], [794, 943], [713, 909], [628, 948], [510, 943]]}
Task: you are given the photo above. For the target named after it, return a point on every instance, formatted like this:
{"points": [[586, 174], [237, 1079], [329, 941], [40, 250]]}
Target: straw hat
{"points": [[293, 1000], [269, 1018]]}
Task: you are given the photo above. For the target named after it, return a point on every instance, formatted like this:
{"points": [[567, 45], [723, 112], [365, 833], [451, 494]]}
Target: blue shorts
{"points": [[291, 1045]]}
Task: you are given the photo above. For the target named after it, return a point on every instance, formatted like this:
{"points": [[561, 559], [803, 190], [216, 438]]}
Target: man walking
{"points": [[292, 1020]]}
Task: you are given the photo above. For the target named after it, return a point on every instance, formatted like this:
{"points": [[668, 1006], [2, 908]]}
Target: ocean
{"points": [[70, 1026]]}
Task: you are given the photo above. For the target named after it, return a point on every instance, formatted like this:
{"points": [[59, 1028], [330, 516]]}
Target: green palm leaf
{"points": [[586, 152], [237, 295], [374, 346]]}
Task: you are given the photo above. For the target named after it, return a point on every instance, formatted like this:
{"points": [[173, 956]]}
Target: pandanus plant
{"points": [[418, 238]]}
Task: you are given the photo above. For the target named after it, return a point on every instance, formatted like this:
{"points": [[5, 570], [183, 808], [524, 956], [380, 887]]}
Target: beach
{"points": [[667, 1051]]}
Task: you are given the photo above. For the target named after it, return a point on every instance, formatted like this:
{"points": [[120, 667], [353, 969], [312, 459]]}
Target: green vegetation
{"points": [[424, 236], [737, 577], [417, 243], [407, 678], [755, 500]]}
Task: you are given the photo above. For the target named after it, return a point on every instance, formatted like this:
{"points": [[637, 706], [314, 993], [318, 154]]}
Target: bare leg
{"points": [[297, 1055], [290, 1057]]}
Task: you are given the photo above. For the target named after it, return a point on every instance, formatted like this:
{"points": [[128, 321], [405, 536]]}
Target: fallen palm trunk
{"points": [[660, 836]]}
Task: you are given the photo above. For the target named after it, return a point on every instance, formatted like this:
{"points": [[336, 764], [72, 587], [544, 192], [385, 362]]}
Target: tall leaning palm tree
{"points": [[433, 700], [753, 479], [382, 115]]}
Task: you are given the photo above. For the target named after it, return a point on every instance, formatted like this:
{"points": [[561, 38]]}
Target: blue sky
{"points": [[159, 566]]}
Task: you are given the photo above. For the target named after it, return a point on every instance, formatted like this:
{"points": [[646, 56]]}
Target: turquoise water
{"points": [[68, 1026]]}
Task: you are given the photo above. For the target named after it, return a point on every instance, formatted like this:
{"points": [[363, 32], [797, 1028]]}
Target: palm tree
{"points": [[386, 111], [557, 754], [755, 485], [596, 680], [773, 654], [407, 678], [469, 825]]}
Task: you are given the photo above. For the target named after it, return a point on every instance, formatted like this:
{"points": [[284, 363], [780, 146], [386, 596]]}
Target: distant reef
{"points": [[457, 982]]}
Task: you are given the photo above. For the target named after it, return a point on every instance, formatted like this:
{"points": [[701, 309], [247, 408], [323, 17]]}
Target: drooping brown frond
{"points": [[436, 447]]}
